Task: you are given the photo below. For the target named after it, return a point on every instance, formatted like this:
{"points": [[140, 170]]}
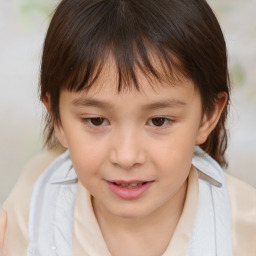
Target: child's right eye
{"points": [[96, 121]]}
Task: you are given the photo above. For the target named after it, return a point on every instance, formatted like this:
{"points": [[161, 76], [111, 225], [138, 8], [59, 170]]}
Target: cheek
{"points": [[173, 158], [175, 164], [174, 172], [87, 157]]}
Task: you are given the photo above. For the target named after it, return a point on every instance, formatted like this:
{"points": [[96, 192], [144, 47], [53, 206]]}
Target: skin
{"points": [[147, 136]]}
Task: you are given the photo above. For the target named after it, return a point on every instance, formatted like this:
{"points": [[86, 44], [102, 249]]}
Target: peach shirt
{"points": [[87, 232]]}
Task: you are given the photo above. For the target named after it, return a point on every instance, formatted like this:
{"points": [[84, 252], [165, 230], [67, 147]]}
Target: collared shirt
{"points": [[243, 216], [88, 239]]}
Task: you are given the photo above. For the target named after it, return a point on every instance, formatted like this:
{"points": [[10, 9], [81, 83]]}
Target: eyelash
{"points": [[90, 119], [166, 121]]}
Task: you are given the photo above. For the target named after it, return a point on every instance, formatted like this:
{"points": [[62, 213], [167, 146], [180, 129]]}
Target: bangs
{"points": [[132, 37], [153, 64]]}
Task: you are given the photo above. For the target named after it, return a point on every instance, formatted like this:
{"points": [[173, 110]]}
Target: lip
{"points": [[129, 193]]}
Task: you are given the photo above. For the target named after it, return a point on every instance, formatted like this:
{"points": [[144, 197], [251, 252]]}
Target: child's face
{"points": [[133, 150]]}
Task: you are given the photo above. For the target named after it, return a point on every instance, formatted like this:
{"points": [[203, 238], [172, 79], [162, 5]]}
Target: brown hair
{"points": [[184, 35]]}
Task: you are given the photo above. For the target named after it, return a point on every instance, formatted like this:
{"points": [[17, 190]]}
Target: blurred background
{"points": [[23, 25]]}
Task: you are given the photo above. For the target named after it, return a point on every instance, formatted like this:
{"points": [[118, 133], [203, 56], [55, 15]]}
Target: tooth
{"points": [[133, 185]]}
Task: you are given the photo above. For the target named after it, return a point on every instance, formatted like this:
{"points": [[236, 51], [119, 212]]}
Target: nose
{"points": [[127, 150]]}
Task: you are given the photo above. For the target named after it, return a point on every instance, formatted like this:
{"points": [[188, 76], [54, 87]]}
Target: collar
{"points": [[208, 169], [88, 239]]}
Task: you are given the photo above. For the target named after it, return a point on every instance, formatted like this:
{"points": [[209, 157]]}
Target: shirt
{"points": [[242, 200]]}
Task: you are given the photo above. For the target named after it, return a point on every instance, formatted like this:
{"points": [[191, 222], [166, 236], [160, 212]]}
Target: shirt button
{"points": [[54, 248]]}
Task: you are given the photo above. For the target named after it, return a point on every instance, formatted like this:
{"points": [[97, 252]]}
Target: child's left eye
{"points": [[159, 121]]}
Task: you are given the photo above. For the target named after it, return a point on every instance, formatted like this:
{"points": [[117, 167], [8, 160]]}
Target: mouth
{"points": [[129, 185], [129, 189]]}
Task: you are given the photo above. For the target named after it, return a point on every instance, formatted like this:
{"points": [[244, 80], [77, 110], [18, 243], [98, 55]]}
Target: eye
{"points": [[159, 121], [96, 121]]}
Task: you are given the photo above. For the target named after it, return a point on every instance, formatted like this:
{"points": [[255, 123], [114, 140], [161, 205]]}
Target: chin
{"points": [[131, 213]]}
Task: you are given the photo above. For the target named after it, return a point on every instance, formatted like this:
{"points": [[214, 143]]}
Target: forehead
{"points": [[142, 79], [126, 72], [176, 91]]}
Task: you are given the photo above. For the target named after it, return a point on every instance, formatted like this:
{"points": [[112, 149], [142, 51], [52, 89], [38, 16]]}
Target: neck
{"points": [[125, 234]]}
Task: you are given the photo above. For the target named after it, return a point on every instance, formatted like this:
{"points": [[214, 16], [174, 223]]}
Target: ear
{"points": [[210, 120], [47, 103], [61, 134], [57, 125]]}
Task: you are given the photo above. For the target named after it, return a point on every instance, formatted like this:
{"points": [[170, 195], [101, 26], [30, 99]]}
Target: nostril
{"points": [[127, 153]]}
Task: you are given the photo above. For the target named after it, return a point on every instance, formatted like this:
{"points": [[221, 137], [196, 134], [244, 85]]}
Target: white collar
{"points": [[59, 182]]}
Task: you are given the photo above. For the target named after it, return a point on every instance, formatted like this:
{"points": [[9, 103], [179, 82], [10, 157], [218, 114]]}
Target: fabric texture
{"points": [[17, 205], [51, 210], [52, 207], [242, 199]]}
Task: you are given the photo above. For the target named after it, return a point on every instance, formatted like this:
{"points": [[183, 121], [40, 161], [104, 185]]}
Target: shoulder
{"points": [[17, 205], [30, 173], [243, 215]]}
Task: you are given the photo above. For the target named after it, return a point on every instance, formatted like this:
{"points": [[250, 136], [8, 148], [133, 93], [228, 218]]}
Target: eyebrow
{"points": [[169, 103], [80, 102]]}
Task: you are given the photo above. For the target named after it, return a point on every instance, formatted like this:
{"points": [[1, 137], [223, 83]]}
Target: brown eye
{"points": [[158, 121], [96, 121]]}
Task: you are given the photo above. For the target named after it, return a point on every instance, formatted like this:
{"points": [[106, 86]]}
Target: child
{"points": [[137, 91]]}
